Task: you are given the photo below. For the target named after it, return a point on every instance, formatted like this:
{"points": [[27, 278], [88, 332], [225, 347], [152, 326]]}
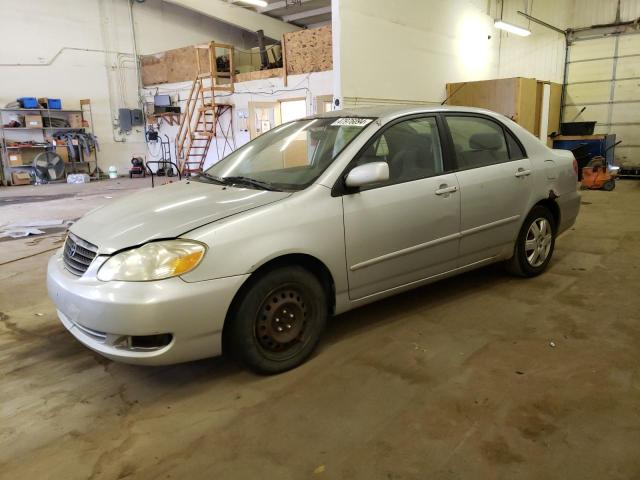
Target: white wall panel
{"points": [[588, 49], [589, 71], [626, 90], [401, 50], [627, 113], [628, 67], [587, 93], [627, 155], [629, 44]]}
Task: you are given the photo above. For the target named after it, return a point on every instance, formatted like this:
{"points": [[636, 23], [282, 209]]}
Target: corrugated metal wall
{"points": [[597, 12]]}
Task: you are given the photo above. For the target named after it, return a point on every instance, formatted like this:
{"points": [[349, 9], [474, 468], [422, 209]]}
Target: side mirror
{"points": [[368, 174]]}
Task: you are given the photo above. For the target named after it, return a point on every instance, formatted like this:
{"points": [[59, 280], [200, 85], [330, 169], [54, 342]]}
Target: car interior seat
{"points": [[485, 149]]}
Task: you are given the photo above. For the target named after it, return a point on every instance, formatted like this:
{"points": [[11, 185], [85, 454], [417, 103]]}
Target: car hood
{"points": [[166, 212]]}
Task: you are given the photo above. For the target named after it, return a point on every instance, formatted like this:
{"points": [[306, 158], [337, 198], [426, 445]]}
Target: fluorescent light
{"points": [[509, 27], [257, 3]]}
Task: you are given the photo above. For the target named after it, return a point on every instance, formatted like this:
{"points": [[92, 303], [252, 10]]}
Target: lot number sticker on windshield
{"points": [[352, 122]]}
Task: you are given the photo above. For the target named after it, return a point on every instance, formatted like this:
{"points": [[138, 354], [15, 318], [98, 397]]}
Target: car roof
{"points": [[394, 111]]}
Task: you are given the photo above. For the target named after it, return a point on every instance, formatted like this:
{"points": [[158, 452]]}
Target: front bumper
{"points": [[100, 314]]}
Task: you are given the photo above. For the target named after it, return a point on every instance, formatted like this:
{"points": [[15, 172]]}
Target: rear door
{"points": [[495, 185], [405, 229]]}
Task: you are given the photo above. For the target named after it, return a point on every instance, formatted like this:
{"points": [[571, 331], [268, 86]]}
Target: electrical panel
{"points": [[137, 118], [124, 119]]}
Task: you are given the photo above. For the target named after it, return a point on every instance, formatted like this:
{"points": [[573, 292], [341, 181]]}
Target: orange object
{"points": [[596, 175]]}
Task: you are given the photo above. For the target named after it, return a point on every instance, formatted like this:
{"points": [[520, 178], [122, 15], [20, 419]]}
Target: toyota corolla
{"points": [[311, 219]]}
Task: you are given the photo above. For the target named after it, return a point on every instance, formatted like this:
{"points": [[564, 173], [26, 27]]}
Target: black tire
{"points": [[609, 185], [277, 321], [524, 262]]}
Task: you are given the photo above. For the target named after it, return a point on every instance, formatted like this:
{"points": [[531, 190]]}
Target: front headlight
{"points": [[153, 261]]}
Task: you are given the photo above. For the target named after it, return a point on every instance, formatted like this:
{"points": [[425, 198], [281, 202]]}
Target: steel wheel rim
{"points": [[282, 321], [537, 243]]}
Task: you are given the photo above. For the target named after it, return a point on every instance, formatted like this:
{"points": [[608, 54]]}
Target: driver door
{"points": [[405, 229]]}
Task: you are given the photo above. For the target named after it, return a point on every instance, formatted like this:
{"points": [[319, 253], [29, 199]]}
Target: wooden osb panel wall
{"points": [[177, 65], [309, 50]]}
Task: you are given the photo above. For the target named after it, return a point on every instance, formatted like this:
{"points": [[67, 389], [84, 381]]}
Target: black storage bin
{"points": [[577, 128]]}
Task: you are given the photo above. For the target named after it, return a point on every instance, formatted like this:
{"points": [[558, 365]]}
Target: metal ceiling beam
{"points": [[306, 14], [240, 17], [277, 5]]}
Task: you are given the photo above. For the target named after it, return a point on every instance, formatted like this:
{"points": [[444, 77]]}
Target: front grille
{"points": [[78, 254]]}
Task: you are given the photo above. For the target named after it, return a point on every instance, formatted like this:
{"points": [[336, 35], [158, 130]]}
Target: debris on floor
{"points": [[33, 227], [20, 232]]}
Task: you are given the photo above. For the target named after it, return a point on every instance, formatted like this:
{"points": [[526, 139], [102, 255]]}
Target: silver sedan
{"points": [[311, 219]]}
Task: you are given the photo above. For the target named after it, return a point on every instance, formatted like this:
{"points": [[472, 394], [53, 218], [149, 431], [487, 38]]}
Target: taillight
{"points": [[575, 166]]}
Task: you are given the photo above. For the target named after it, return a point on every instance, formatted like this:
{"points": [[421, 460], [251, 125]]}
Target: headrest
{"points": [[486, 141]]}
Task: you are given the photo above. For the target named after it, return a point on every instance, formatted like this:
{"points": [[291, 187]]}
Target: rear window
{"points": [[477, 141]]}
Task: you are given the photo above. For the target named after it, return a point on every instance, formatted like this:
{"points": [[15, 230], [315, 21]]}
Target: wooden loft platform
{"points": [[304, 51]]}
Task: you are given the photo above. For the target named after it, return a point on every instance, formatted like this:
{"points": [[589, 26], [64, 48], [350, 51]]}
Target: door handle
{"points": [[445, 190], [522, 172]]}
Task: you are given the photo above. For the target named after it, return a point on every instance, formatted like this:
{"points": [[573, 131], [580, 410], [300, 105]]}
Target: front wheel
{"points": [[535, 244], [278, 320]]}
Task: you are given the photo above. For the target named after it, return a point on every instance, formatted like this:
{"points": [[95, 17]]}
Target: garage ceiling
{"points": [[304, 13]]}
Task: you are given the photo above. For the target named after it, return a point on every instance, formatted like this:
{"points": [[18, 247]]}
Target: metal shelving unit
{"points": [[40, 136]]}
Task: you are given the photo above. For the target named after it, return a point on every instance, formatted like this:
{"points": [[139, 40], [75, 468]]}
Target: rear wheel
{"points": [[609, 185], [278, 320], [535, 243]]}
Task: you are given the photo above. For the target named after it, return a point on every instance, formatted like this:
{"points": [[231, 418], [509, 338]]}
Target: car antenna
{"points": [[453, 93]]}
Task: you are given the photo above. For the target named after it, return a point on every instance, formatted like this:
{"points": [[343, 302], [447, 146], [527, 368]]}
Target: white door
{"points": [[495, 186], [406, 229]]}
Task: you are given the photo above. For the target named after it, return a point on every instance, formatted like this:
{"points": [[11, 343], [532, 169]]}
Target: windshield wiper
{"points": [[251, 182], [213, 178]]}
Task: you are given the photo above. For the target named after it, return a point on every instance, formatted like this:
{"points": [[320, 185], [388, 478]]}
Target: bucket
{"points": [[113, 172]]}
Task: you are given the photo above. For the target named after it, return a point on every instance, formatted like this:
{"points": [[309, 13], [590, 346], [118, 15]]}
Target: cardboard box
{"points": [[33, 121], [75, 120], [63, 152], [20, 178], [15, 158]]}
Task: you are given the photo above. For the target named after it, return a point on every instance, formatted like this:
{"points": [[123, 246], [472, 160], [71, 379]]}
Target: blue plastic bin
{"points": [[54, 103], [28, 102]]}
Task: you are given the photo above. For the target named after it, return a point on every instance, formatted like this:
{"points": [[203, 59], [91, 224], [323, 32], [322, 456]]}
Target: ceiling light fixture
{"points": [[257, 3], [509, 27]]}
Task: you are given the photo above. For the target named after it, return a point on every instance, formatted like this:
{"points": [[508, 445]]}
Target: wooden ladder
{"points": [[200, 123]]}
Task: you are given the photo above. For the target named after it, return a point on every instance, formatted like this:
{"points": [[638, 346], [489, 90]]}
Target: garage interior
{"points": [[482, 375]]}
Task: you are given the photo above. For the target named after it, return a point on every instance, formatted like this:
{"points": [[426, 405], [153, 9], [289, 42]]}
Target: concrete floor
{"points": [[455, 380]]}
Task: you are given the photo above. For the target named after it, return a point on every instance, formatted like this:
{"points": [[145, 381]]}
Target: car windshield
{"points": [[289, 157]]}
